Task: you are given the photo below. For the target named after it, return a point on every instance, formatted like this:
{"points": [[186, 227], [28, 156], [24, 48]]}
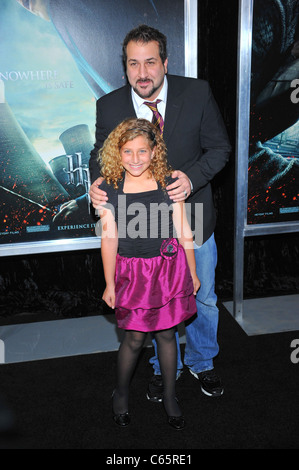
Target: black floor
{"points": [[66, 403]]}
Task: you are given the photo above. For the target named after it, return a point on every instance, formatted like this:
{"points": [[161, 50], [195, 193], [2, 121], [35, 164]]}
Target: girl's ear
{"points": [[153, 152]]}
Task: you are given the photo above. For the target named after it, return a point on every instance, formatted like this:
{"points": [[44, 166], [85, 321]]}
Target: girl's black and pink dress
{"points": [[153, 284]]}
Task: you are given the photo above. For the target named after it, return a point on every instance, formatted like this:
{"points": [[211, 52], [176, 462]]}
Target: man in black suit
{"points": [[198, 148]]}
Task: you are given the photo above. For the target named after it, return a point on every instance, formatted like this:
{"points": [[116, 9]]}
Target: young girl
{"points": [[150, 279]]}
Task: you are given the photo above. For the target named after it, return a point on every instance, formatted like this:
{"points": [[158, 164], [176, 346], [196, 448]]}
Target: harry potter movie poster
{"points": [[273, 189], [56, 58]]}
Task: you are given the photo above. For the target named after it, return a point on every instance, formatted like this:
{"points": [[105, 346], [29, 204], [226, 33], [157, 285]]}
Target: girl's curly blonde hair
{"points": [[109, 155]]}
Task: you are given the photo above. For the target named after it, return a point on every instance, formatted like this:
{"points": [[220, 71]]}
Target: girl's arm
{"points": [[109, 246], [185, 237]]}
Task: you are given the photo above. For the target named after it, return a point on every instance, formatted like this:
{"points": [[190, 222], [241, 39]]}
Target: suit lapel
{"points": [[128, 103], [173, 107]]}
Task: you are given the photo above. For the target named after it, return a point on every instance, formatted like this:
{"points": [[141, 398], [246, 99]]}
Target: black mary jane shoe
{"points": [[123, 419], [177, 422]]}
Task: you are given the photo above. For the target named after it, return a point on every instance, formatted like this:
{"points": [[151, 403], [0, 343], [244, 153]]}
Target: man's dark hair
{"points": [[145, 34]]}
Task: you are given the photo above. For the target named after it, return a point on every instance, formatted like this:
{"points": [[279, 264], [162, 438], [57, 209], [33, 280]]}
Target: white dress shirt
{"points": [[144, 112]]}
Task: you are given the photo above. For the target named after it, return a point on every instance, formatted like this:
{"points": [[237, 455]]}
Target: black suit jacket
{"points": [[195, 136]]}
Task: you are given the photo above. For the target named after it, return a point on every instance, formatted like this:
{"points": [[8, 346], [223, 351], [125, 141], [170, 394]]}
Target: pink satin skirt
{"points": [[154, 294]]}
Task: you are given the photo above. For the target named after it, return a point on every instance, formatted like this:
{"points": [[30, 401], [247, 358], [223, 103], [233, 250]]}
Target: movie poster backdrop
{"points": [[273, 180], [57, 57]]}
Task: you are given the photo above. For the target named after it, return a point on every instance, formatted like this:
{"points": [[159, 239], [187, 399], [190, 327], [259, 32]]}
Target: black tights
{"points": [[128, 354]]}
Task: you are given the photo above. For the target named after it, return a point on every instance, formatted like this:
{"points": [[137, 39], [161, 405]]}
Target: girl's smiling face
{"points": [[136, 156]]}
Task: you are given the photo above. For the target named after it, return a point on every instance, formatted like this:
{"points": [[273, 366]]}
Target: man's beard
{"points": [[149, 93]]}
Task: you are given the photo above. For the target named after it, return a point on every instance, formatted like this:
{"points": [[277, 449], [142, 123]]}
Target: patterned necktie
{"points": [[157, 118]]}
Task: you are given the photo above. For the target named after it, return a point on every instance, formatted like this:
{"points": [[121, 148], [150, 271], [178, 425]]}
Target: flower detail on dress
{"points": [[169, 248]]}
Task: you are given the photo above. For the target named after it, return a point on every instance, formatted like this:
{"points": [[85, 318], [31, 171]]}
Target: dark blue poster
{"points": [[273, 180], [57, 57]]}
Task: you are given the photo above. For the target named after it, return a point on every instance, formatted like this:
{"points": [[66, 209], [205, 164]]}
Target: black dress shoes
{"points": [[177, 422], [155, 389], [123, 419]]}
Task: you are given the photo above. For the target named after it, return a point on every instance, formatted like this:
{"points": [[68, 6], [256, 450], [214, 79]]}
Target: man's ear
{"points": [[165, 66]]}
